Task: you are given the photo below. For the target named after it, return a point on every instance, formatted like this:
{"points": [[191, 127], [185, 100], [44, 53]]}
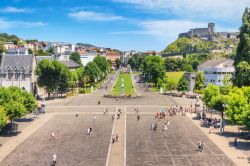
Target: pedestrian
{"points": [[116, 137], [99, 102], [168, 123], [152, 126], [210, 129], [90, 131], [202, 146], [54, 160], [155, 126], [138, 117], [52, 135], [116, 99], [76, 115], [235, 141], [113, 138]]}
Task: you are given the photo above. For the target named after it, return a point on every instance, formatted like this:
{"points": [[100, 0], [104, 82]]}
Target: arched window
{"points": [[16, 73], [23, 74], [8, 73]]}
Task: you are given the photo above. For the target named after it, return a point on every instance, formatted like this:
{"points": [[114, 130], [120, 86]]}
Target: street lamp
{"points": [[222, 116]]}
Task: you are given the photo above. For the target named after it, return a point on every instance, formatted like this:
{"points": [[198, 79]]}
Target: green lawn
{"points": [[174, 76], [128, 86]]}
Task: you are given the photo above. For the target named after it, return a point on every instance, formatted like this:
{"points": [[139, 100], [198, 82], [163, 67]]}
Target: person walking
{"points": [[116, 137], [52, 135], [138, 117], [76, 115], [113, 138], [235, 141], [54, 160]]}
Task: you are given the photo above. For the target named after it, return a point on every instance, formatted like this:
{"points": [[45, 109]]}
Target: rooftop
{"points": [[216, 62]]}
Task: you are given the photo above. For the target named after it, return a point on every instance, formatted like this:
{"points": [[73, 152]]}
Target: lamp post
{"points": [[221, 121]]}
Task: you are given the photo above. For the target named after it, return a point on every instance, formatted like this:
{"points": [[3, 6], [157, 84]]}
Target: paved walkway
{"points": [[235, 155], [12, 143], [117, 154]]}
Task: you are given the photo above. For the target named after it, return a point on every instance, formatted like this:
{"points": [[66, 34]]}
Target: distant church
{"points": [[209, 33]]}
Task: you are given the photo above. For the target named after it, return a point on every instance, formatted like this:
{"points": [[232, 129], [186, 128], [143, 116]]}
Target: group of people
{"points": [[115, 138]]}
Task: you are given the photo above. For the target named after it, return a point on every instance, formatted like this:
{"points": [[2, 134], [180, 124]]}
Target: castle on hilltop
{"points": [[209, 33]]}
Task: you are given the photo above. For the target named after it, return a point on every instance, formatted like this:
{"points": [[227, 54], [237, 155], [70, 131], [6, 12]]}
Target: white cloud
{"points": [[168, 30], [10, 9], [6, 24], [94, 16], [222, 9]]}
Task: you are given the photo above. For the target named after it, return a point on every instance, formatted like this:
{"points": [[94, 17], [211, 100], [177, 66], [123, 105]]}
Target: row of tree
{"points": [[15, 103], [55, 76], [235, 103]]}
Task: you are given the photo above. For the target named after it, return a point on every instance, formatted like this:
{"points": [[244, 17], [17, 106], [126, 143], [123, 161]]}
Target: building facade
{"points": [[18, 70], [216, 70]]}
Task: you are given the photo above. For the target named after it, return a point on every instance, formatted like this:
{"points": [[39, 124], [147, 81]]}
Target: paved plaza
{"points": [[175, 147], [71, 145], [137, 146]]}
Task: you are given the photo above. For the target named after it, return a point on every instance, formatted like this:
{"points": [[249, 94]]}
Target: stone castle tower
{"points": [[211, 30]]}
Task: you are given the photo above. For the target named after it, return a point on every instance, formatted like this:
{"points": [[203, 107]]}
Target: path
{"points": [[117, 154]]}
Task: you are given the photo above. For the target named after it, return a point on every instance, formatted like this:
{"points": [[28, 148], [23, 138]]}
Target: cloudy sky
{"points": [[124, 24]]}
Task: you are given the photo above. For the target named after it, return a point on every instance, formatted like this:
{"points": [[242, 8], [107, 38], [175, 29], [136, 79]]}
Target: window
{"points": [[23, 76], [218, 80], [16, 76], [9, 75]]}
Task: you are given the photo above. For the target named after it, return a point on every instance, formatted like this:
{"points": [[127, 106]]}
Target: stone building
{"points": [[18, 70]]}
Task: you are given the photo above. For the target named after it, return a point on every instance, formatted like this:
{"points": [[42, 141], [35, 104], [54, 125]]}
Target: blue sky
{"points": [[124, 24]]}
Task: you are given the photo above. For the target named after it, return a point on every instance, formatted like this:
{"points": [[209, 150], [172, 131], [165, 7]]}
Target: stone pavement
{"points": [[117, 149], [13, 142], [235, 155]]}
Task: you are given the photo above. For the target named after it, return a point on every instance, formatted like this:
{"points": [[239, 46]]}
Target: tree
{"points": [[75, 56], [209, 93], [103, 64], [219, 103], [182, 84], [14, 109], [118, 63], [93, 72], [2, 48], [171, 85], [29, 101], [242, 58], [52, 75], [199, 82], [3, 117], [237, 107], [135, 61], [242, 74], [153, 69]]}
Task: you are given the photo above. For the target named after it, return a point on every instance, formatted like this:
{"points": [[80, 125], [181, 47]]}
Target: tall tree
{"points": [[153, 69], [75, 56], [182, 84], [118, 63], [199, 82], [3, 117], [210, 92], [242, 58], [103, 64], [52, 75], [93, 72]]}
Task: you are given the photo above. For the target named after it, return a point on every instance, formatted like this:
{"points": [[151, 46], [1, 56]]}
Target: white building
{"points": [[17, 51], [88, 57], [216, 69]]}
